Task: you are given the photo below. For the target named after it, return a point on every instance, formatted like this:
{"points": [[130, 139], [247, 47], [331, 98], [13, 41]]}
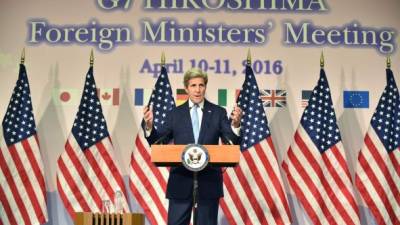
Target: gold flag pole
{"points": [[248, 57], [162, 59], [91, 58], [388, 62], [322, 60], [23, 56]]}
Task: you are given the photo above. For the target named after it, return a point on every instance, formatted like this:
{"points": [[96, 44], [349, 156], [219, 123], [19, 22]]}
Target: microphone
{"points": [[162, 140], [226, 140]]}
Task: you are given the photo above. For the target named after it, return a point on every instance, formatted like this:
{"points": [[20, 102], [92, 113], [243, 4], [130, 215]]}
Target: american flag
{"points": [[253, 191], [22, 185], [378, 166], [86, 171], [273, 98], [315, 163], [147, 182]]}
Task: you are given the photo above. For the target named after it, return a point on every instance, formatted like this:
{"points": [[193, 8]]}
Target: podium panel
{"points": [[220, 155], [88, 218]]}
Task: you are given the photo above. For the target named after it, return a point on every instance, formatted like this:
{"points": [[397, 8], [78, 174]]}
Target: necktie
{"points": [[195, 122]]}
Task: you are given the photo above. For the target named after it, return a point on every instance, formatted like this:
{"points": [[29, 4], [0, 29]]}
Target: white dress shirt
{"points": [[200, 115]]}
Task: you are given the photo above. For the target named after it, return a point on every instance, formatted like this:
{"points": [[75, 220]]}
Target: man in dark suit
{"points": [[202, 122]]}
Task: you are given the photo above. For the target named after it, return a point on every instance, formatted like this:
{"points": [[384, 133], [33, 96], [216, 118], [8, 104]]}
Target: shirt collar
{"points": [[201, 104]]}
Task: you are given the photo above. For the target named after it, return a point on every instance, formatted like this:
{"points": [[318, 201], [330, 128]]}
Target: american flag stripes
{"points": [[22, 184], [147, 182], [253, 191], [315, 163], [378, 166], [86, 170]]}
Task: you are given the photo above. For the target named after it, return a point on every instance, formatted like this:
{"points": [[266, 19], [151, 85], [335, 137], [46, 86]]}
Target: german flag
{"points": [[181, 97]]}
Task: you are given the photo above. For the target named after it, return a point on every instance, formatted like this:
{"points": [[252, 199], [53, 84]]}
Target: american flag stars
{"points": [[319, 118], [19, 122], [386, 118], [161, 101], [89, 125], [254, 122]]}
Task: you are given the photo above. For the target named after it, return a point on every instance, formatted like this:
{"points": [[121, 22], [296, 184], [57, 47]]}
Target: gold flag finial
{"points": [[322, 60], [162, 59], [91, 58], [23, 56], [248, 57], [388, 62]]}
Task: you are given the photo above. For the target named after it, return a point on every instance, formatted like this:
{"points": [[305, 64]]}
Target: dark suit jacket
{"points": [[214, 124]]}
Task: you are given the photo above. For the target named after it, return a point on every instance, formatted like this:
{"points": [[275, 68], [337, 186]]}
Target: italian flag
{"points": [[227, 97]]}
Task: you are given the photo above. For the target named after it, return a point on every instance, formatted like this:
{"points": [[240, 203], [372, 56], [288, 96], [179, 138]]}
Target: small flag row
{"points": [[226, 97]]}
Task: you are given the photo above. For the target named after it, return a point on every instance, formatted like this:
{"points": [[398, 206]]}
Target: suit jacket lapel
{"points": [[207, 113]]}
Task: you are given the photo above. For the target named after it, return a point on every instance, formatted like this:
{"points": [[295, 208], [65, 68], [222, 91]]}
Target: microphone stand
{"points": [[228, 141], [195, 190]]}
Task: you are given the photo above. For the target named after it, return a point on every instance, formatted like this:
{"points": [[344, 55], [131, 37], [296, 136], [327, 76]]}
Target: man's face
{"points": [[196, 89]]}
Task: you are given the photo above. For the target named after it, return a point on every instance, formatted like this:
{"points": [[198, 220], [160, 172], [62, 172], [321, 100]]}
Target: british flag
{"points": [[273, 98]]}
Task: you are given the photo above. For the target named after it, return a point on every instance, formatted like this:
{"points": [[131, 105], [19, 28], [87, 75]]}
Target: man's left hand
{"points": [[236, 116]]}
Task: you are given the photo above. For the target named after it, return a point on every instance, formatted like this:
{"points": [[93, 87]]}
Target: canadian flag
{"points": [[108, 96]]}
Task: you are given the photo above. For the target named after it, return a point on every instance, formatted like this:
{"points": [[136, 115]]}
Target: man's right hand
{"points": [[148, 117]]}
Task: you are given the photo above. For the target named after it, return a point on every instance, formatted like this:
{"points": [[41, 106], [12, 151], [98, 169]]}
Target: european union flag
{"points": [[355, 99]]}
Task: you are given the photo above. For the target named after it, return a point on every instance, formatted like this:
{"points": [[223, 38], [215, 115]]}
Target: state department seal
{"points": [[195, 157]]}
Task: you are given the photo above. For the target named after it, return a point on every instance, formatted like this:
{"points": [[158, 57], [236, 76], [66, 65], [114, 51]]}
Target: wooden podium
{"points": [[220, 155], [88, 218]]}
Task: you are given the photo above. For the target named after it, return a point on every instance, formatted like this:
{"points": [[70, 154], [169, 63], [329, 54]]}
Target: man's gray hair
{"points": [[194, 73]]}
